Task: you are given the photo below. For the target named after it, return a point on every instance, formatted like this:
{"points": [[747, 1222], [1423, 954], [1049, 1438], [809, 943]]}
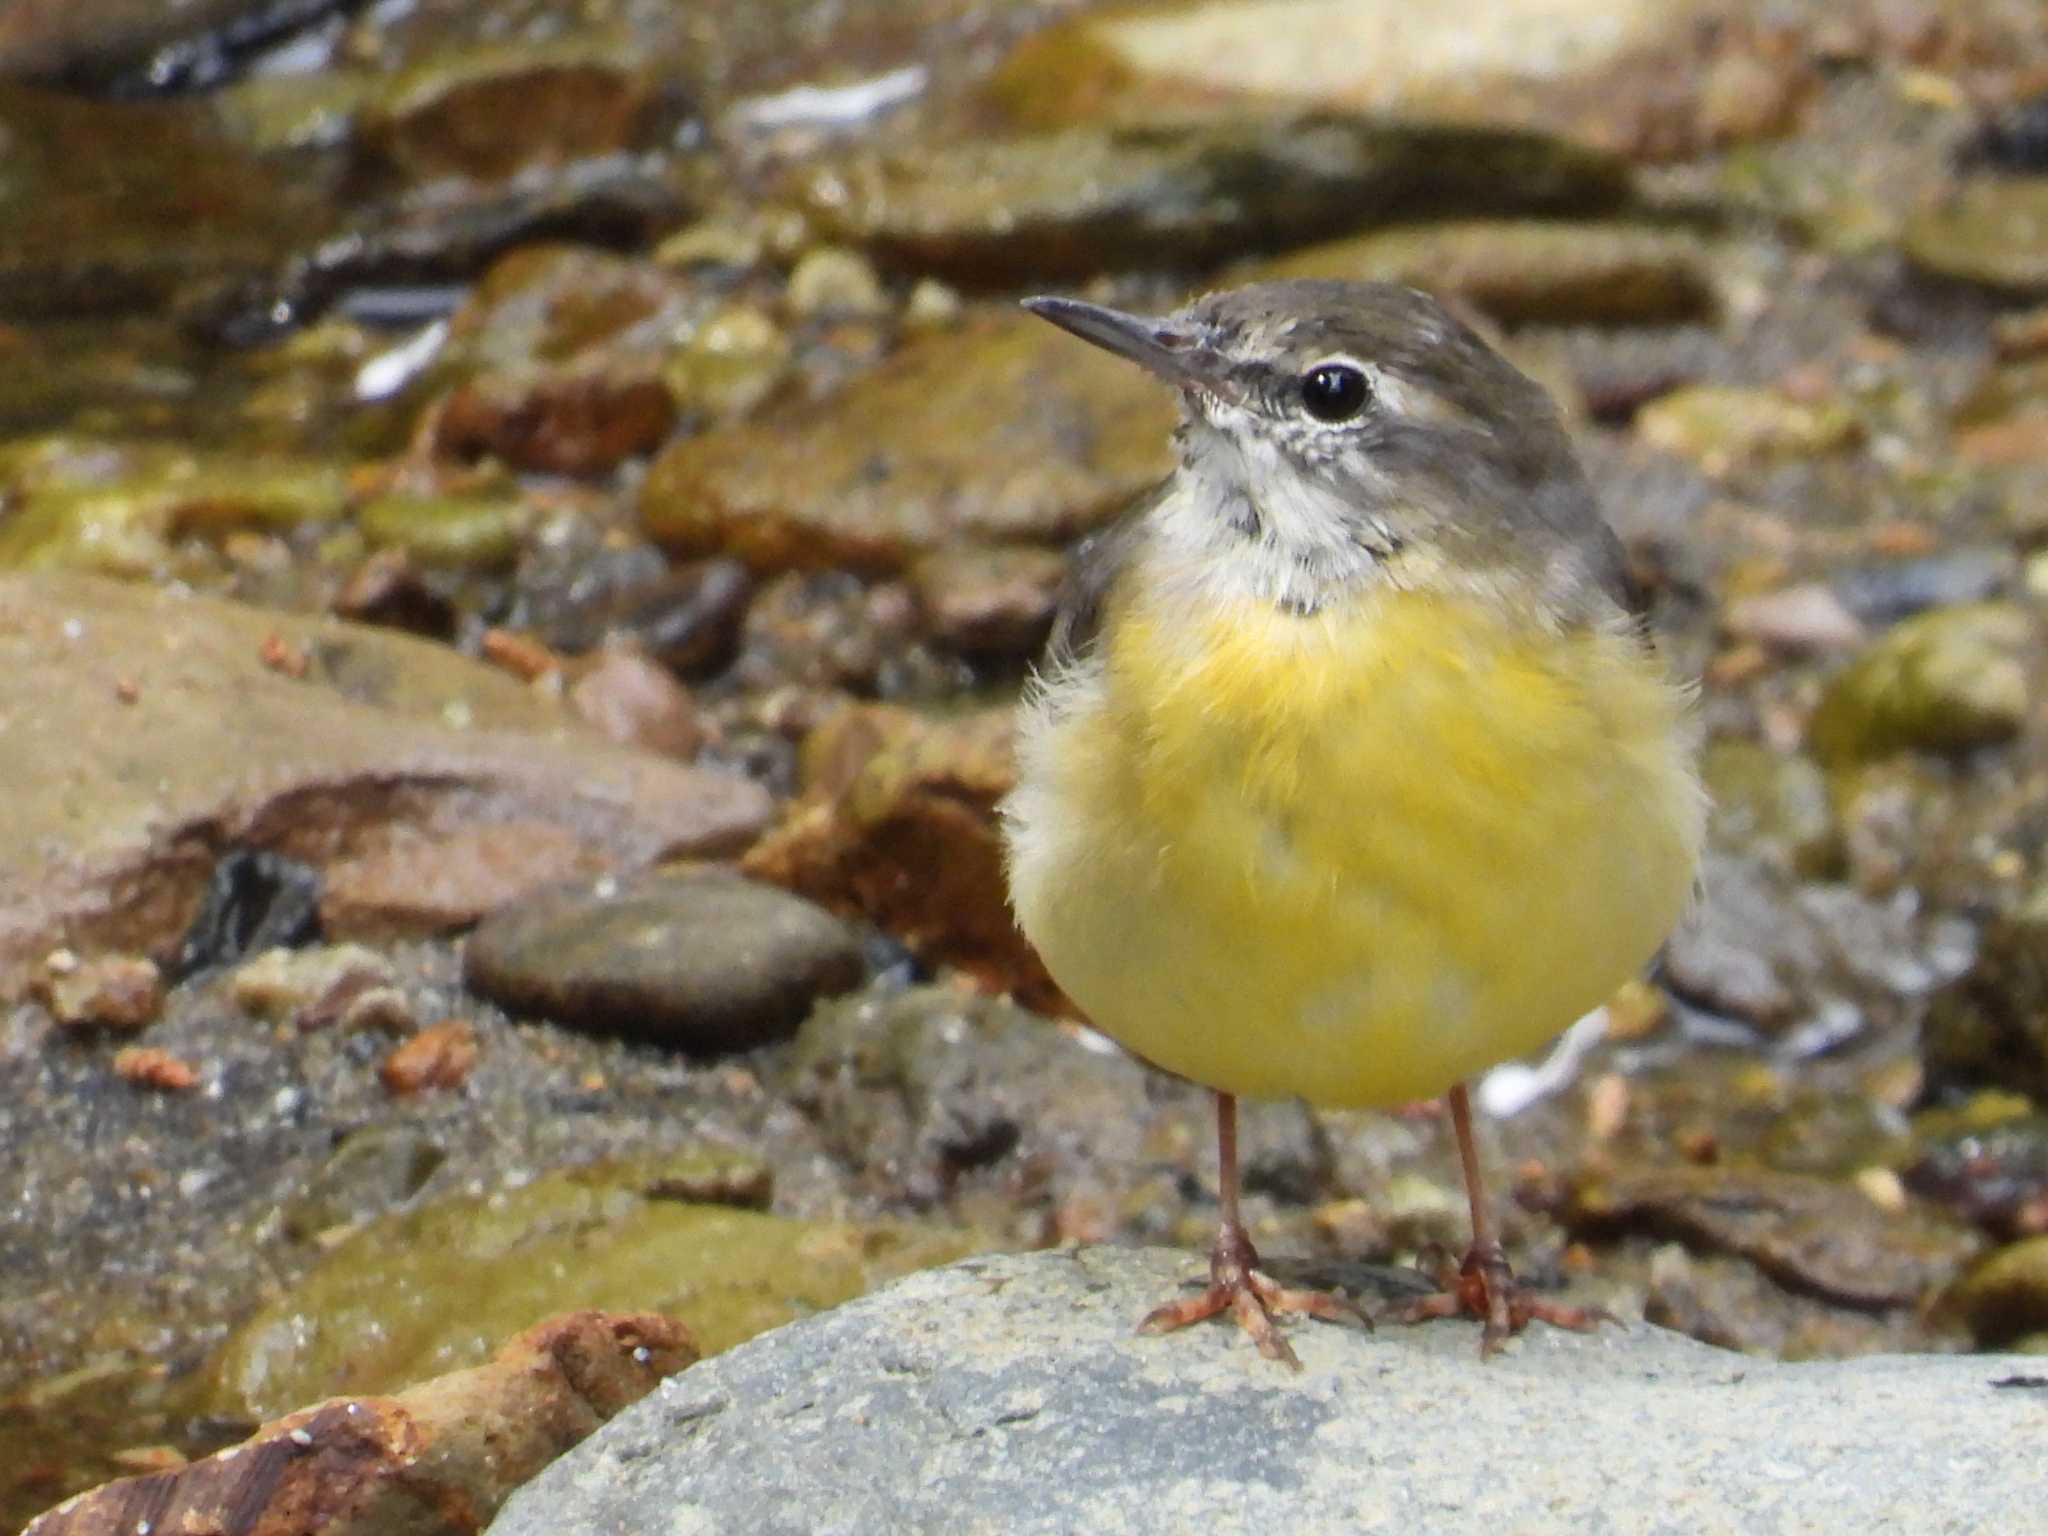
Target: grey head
{"points": [[1335, 434]]}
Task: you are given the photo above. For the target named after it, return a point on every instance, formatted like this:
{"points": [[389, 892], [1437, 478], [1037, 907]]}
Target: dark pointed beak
{"points": [[1170, 348]]}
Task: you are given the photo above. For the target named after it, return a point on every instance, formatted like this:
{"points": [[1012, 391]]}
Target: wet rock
{"points": [[636, 703], [687, 619], [489, 110], [118, 993], [829, 281], [1946, 681], [1644, 77], [1824, 1237], [702, 962], [580, 420], [1898, 589], [1003, 430], [1989, 231], [372, 1171], [1803, 619], [1019, 1390], [393, 884], [92, 187], [440, 1056], [1987, 1161], [922, 1089], [730, 364], [1773, 804], [1990, 1026], [1067, 205], [1722, 427], [1558, 272], [384, 745], [827, 630], [441, 1287], [434, 1460], [897, 827], [2005, 1298], [994, 603], [119, 508], [136, 45], [447, 532], [255, 900], [145, 1066], [387, 590]]}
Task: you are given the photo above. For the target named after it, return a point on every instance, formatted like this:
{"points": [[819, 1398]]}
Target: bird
{"points": [[1352, 768]]}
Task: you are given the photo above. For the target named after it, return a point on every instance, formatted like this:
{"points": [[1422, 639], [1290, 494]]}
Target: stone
{"points": [[637, 703], [990, 603], [434, 1460], [1987, 1161], [687, 618], [2005, 1298], [897, 826], [1723, 427], [1012, 1395], [119, 993], [385, 752], [833, 282], [1990, 1025], [447, 532], [1821, 1236], [1555, 272], [1067, 205], [582, 419], [704, 962], [1945, 681], [373, 1170], [1773, 805], [1003, 430], [1989, 231], [442, 1287], [440, 1056]]}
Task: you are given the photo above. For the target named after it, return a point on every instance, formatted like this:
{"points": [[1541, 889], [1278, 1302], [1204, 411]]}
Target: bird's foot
{"points": [[1483, 1286], [1236, 1286]]}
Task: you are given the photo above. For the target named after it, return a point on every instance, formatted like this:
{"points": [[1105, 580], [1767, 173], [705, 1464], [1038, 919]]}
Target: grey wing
{"points": [[1093, 566]]}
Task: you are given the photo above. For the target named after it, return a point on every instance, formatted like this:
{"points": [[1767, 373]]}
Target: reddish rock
{"points": [[123, 993], [638, 704], [434, 1460], [441, 1056], [147, 1067], [426, 787]]}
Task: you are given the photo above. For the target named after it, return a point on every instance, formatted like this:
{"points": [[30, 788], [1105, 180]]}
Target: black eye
{"points": [[1334, 392]]}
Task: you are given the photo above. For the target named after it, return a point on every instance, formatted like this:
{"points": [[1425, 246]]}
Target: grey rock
{"points": [[705, 961], [1010, 1395]]}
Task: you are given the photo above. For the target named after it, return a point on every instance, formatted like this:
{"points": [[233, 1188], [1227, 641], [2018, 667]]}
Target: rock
{"points": [[373, 1170], [119, 993], [897, 827], [489, 110], [1882, 594], [687, 619], [441, 1287], [1991, 231], [1772, 804], [636, 703], [447, 532], [118, 508], [91, 188], [281, 985], [1722, 427], [434, 1460], [1067, 205], [386, 754], [1803, 619], [830, 281], [2005, 1298], [387, 590], [730, 364], [578, 420], [1018, 1391], [1556, 272], [1946, 681], [147, 1067], [1986, 1161], [1002, 430], [1649, 77], [1824, 1237], [991, 603], [1990, 1026], [137, 43], [704, 962], [439, 1056]]}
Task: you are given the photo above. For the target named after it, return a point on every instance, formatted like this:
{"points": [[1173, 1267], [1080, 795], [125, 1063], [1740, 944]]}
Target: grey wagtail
{"points": [[1350, 772]]}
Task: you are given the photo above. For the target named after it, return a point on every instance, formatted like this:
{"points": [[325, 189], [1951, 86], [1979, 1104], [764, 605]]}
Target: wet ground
{"points": [[643, 386]]}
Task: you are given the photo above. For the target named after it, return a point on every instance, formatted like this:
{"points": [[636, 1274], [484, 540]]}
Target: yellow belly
{"points": [[1354, 858]]}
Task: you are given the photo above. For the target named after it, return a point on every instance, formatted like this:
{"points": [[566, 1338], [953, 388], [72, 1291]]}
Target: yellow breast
{"points": [[1355, 857]]}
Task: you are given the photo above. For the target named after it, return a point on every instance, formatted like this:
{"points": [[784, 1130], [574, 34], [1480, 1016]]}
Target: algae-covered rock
{"points": [[1003, 430], [2005, 1298], [440, 1288], [1944, 681], [1517, 270], [1990, 230], [1990, 1026], [1774, 803], [116, 508], [456, 532], [1067, 205], [1721, 427]]}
